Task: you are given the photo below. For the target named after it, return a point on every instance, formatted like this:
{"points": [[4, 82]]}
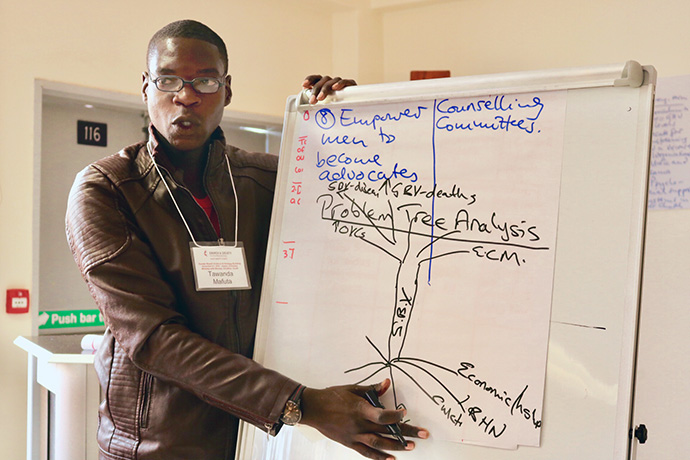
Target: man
{"points": [[175, 362]]}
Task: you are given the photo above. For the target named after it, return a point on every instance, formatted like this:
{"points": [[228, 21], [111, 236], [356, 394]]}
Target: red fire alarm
{"points": [[17, 301]]}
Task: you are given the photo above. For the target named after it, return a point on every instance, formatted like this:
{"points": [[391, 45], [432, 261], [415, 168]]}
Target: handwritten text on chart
{"points": [[498, 113], [669, 182], [492, 422]]}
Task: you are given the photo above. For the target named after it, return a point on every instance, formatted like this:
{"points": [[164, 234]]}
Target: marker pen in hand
{"points": [[393, 428]]}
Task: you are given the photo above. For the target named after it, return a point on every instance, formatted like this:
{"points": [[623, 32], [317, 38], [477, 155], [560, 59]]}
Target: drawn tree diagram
{"points": [[398, 218], [482, 208]]}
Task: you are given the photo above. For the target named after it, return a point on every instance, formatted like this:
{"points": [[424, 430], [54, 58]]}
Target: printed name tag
{"points": [[219, 268]]}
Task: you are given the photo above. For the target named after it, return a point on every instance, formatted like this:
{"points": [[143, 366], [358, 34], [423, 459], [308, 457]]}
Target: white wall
{"points": [[472, 37]]}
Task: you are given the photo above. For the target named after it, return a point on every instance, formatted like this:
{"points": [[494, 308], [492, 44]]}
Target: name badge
{"points": [[219, 268]]}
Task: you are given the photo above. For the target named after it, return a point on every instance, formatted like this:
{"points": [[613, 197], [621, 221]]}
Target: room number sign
{"points": [[92, 133]]}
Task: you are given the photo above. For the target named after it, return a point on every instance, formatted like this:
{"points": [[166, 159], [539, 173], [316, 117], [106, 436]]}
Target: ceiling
{"points": [[345, 5]]}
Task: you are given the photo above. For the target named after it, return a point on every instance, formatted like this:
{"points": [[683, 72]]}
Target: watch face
{"points": [[292, 414]]}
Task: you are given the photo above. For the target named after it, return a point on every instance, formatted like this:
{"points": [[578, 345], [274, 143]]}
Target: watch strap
{"points": [[292, 413]]}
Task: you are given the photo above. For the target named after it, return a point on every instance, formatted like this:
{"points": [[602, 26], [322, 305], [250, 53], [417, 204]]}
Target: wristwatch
{"points": [[292, 413]]}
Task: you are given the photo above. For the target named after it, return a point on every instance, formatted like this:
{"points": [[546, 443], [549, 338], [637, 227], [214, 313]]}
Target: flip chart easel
{"points": [[596, 275]]}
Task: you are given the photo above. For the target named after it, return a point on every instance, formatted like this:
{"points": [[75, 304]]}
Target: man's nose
{"points": [[187, 95]]}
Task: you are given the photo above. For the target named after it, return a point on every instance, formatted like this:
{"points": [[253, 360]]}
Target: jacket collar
{"points": [[216, 150]]}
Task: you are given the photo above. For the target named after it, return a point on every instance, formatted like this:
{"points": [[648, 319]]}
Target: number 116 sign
{"points": [[92, 133]]}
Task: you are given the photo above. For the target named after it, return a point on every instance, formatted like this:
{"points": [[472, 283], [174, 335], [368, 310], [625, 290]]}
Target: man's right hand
{"points": [[342, 414]]}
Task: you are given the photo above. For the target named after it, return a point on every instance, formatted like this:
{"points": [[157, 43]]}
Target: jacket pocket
{"points": [[145, 405], [119, 433]]}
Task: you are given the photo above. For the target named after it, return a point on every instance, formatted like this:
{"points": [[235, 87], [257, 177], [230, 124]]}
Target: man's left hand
{"points": [[322, 86]]}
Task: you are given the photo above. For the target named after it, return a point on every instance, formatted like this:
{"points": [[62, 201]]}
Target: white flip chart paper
{"points": [[433, 269]]}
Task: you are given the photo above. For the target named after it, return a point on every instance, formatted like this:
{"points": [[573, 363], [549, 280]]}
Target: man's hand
{"points": [[324, 86], [343, 415]]}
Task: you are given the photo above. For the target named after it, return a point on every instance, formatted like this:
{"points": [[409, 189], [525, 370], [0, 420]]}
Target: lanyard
{"points": [[234, 191]]}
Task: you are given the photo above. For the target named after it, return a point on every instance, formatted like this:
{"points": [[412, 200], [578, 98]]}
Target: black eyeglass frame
{"points": [[220, 81]]}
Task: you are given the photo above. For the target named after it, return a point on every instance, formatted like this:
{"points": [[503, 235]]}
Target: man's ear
{"points": [[228, 89], [144, 86]]}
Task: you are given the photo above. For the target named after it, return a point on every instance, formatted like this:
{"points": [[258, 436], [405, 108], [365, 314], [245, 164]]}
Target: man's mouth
{"points": [[185, 122]]}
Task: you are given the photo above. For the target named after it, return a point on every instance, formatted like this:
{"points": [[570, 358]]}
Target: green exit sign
{"points": [[59, 319]]}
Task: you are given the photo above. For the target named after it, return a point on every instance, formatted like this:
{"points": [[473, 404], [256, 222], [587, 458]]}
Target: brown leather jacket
{"points": [[175, 364]]}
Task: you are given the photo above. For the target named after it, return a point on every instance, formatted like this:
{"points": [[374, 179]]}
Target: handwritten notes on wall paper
{"points": [[417, 244], [669, 183]]}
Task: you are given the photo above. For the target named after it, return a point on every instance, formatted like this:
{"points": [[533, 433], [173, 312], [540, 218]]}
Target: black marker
{"points": [[393, 428]]}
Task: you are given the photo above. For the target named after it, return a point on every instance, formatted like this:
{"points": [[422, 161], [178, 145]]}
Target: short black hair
{"points": [[188, 28]]}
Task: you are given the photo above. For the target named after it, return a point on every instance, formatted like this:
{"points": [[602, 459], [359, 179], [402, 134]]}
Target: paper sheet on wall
{"points": [[669, 178], [417, 244]]}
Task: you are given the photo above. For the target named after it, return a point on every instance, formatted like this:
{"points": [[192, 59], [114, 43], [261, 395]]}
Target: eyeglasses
{"points": [[173, 84]]}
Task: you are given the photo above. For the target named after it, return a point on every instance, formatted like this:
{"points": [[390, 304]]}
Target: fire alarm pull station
{"points": [[17, 301]]}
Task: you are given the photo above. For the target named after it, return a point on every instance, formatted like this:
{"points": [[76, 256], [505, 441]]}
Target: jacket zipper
{"points": [[147, 381], [271, 428], [203, 183], [232, 299], [182, 187]]}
